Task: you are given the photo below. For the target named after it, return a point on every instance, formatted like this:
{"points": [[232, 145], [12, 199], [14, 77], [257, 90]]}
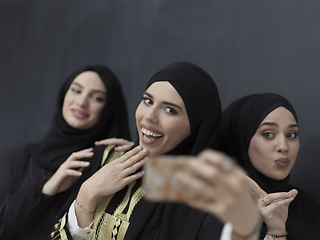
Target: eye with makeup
{"points": [[170, 110], [75, 89], [147, 100], [98, 98], [268, 135], [292, 135]]}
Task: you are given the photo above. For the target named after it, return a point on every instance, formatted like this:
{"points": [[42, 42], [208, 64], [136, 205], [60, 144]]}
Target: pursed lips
{"points": [[282, 162], [79, 113]]}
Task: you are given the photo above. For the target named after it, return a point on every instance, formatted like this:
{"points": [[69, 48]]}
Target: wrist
{"points": [[87, 198], [278, 231], [282, 236], [46, 190]]}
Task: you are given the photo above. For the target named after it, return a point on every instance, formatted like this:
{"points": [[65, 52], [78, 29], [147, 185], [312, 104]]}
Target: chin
{"points": [[280, 176], [150, 152]]}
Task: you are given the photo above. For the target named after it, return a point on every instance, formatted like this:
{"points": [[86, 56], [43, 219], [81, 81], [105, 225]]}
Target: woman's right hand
{"points": [[273, 207], [66, 174], [110, 179], [221, 189]]}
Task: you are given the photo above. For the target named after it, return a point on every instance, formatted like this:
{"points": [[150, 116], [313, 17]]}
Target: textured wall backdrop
{"points": [[247, 46]]}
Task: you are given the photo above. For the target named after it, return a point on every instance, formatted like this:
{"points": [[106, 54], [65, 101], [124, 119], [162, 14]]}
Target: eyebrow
{"points": [[276, 125], [95, 90], [164, 102]]}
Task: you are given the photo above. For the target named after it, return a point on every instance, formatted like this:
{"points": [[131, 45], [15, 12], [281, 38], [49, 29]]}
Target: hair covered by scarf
{"points": [[240, 122], [63, 139], [201, 98]]}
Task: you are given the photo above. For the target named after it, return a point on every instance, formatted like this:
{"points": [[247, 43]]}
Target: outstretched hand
{"points": [[67, 174], [222, 190], [123, 144], [273, 207]]}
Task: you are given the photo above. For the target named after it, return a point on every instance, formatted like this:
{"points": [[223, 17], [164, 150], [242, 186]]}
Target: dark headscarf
{"points": [[63, 139], [239, 123], [151, 220], [201, 99]]}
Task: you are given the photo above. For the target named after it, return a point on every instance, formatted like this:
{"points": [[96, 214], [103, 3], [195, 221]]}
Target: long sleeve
{"points": [[21, 200], [76, 232]]}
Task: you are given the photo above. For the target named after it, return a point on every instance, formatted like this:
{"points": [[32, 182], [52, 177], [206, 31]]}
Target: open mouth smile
{"points": [[150, 136]]}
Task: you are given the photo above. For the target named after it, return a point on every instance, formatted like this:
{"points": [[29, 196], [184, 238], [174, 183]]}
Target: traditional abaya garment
{"points": [[125, 214], [239, 124], [26, 213]]}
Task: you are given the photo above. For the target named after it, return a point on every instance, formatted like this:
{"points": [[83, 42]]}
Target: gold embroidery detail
{"points": [[106, 226], [59, 229], [106, 153], [114, 227]]}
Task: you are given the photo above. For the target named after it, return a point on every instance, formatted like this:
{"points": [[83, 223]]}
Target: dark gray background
{"points": [[247, 47]]}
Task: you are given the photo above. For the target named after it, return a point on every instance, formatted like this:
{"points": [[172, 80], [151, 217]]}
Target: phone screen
{"points": [[158, 182]]}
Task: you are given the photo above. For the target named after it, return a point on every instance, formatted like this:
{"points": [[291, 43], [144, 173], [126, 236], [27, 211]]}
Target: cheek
{"points": [[257, 154], [295, 149], [97, 110], [178, 131]]}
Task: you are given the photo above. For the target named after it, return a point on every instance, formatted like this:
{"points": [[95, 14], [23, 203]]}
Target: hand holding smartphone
{"points": [[158, 179]]}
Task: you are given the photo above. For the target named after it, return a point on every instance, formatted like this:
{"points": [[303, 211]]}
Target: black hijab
{"points": [[63, 139], [239, 123], [163, 221], [201, 98]]}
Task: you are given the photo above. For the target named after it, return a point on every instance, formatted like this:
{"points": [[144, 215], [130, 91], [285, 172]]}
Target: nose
{"points": [[152, 115], [82, 101], [282, 145]]}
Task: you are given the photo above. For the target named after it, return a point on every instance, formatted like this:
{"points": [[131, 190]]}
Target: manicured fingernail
{"points": [[288, 193]]}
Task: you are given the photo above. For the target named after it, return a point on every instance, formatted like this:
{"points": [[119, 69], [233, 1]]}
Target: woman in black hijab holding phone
{"points": [[90, 107], [261, 132], [179, 114]]}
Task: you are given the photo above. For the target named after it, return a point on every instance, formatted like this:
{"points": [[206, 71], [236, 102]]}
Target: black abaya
{"points": [[239, 123], [164, 220], [26, 213]]}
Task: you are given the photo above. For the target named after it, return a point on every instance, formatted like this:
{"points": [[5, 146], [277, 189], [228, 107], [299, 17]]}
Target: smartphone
{"points": [[158, 179]]}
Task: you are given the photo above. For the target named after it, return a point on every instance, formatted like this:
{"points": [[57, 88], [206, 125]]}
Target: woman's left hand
{"points": [[66, 175], [221, 189], [123, 144], [273, 207]]}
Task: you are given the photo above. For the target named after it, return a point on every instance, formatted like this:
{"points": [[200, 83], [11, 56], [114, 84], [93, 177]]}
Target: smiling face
{"points": [[84, 100], [162, 119], [274, 147]]}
